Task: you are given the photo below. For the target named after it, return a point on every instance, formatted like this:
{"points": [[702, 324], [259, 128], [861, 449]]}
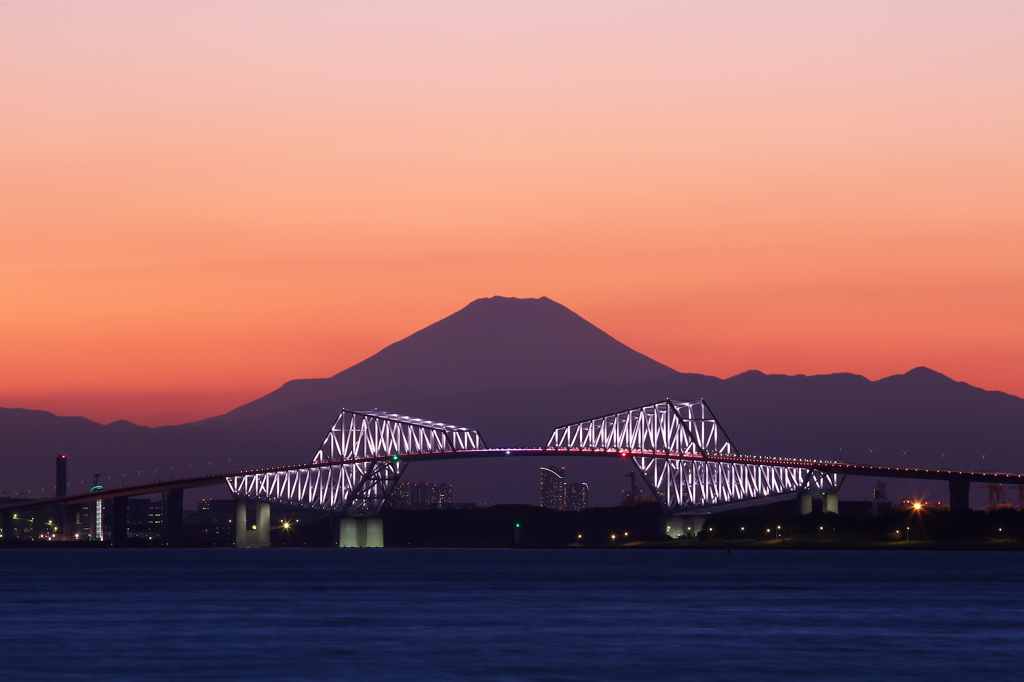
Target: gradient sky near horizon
{"points": [[200, 201]]}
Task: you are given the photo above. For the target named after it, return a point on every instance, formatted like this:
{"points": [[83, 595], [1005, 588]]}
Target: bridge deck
{"points": [[825, 466]]}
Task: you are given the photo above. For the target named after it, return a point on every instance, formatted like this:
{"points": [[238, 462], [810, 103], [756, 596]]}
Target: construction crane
{"points": [[996, 497], [1020, 495], [635, 494]]}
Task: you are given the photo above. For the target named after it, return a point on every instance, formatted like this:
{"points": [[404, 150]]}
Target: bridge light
{"points": [[394, 458], [518, 525]]}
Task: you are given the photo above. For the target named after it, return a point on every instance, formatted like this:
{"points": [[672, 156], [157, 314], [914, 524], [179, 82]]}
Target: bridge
{"points": [[681, 450]]}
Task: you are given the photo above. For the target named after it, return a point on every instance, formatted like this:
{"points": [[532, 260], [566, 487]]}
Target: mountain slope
{"points": [[491, 343], [515, 369], [922, 412]]}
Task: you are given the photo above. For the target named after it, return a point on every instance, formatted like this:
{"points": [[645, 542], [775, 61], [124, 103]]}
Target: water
{"points": [[403, 614]]}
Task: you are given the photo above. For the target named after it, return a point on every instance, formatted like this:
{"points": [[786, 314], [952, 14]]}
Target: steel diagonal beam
{"points": [[358, 452]]}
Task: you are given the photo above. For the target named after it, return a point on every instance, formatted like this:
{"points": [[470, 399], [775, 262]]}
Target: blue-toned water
{"points": [[434, 614]]}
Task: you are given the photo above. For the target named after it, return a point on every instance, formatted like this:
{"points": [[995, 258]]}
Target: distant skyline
{"points": [[203, 201]]}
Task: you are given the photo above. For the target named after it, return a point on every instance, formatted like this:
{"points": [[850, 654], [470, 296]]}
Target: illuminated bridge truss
{"points": [[359, 462], [687, 459]]}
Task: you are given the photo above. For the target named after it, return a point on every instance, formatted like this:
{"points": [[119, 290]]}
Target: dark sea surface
{"points": [[472, 614]]}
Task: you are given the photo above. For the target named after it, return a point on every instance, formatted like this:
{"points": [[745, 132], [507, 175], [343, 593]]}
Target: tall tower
{"points": [[552, 487], [60, 489], [576, 495]]}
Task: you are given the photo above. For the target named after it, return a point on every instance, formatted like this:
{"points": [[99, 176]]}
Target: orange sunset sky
{"points": [[202, 200]]}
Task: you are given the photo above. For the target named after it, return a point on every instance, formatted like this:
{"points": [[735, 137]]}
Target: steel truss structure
{"points": [[678, 446], [360, 461]]}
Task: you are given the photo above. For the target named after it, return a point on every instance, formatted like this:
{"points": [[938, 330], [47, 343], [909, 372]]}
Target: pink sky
{"points": [[202, 201]]}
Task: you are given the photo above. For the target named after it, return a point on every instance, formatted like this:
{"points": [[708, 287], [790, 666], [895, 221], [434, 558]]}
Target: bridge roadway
{"points": [[959, 480]]}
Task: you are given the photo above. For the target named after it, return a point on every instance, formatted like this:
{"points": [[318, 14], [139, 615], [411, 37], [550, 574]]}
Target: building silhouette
{"points": [[576, 495], [557, 493], [409, 495]]}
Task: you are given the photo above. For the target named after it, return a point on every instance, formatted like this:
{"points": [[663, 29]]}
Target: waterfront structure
{"points": [[552, 487], [681, 451], [409, 495], [559, 494], [576, 496]]}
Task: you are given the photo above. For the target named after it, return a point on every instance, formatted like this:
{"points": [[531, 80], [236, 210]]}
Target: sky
{"points": [[200, 201]]}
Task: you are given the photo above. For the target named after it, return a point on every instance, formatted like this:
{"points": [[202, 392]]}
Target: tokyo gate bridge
{"points": [[680, 449]]}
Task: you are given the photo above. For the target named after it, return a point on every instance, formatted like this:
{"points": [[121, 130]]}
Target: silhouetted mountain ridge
{"points": [[493, 342], [518, 387]]}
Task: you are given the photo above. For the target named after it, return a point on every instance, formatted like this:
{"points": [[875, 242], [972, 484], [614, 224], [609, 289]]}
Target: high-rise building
{"points": [[576, 496], [409, 495], [557, 493], [552, 487]]}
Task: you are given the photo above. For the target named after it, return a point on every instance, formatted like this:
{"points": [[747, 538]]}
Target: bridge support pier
{"points": [[831, 503], [174, 517], [959, 493], [245, 535], [683, 526], [361, 532], [806, 503], [119, 522]]}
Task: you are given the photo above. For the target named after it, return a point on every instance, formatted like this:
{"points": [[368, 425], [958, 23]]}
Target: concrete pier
{"points": [[348, 533], [361, 532], [245, 534], [959, 493], [831, 504], [119, 522], [174, 517], [806, 503], [374, 532]]}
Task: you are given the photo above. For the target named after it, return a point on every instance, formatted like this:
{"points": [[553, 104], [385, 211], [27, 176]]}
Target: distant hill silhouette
{"points": [[491, 343], [514, 369]]}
